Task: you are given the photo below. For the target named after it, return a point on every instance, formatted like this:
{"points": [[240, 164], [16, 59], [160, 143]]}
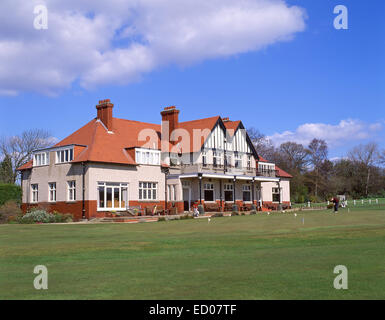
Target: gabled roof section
{"points": [[201, 124]]}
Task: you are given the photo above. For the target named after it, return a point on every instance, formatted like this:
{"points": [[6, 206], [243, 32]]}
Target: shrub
{"points": [[10, 192], [61, 218], [186, 216], [9, 209], [234, 213], [161, 219], [38, 216], [330, 206], [216, 215]]}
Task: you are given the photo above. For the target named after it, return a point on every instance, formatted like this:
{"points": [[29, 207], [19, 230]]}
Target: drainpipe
{"points": [[200, 187], [252, 191], [220, 192], [235, 178], [165, 194], [83, 190], [280, 195]]}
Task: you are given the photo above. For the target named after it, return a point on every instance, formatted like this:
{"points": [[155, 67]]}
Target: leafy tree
{"points": [[6, 171]]}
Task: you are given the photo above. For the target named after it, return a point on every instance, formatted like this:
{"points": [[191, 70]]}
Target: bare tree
{"points": [[19, 148], [318, 153], [294, 155], [367, 155], [381, 157], [262, 144]]}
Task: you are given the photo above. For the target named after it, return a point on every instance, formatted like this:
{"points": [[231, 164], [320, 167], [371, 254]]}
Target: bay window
{"points": [[112, 196]]}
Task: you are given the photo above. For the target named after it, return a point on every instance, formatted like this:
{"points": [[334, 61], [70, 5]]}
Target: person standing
{"points": [[336, 201]]}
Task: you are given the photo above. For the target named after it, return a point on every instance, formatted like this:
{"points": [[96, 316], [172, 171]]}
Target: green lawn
{"points": [[272, 256]]}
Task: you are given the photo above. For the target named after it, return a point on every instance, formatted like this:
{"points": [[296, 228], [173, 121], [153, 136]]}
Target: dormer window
{"points": [[147, 156], [40, 159], [65, 155]]}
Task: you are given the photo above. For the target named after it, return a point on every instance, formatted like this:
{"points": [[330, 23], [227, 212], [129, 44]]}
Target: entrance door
{"points": [[186, 199]]}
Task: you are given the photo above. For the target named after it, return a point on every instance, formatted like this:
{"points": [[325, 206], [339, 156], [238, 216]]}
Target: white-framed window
{"points": [[52, 192], [144, 156], [209, 192], [65, 155], [276, 195], [71, 194], [41, 159], [248, 162], [229, 160], [148, 190], [204, 158], [237, 160], [246, 192], [186, 183], [174, 159], [112, 196], [34, 193], [217, 158], [173, 192], [229, 192]]}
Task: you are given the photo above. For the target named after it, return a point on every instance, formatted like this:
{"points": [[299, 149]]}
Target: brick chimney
{"points": [[170, 118], [105, 113], [227, 119]]}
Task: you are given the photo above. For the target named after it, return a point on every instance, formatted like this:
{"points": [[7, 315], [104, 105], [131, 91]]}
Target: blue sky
{"points": [[323, 82]]}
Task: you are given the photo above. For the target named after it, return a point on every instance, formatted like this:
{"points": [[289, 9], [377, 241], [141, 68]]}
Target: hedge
{"points": [[10, 192]]}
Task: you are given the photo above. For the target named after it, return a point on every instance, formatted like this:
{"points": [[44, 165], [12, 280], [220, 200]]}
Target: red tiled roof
{"points": [[280, 173], [26, 166], [93, 142], [283, 174]]}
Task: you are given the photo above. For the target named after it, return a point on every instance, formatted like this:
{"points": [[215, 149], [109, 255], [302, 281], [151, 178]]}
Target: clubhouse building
{"points": [[113, 165]]}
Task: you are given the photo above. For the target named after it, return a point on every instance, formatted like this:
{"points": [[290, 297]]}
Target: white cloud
{"points": [[100, 42], [335, 135]]}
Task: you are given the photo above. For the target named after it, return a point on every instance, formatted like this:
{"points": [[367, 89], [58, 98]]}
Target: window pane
{"points": [[101, 197], [124, 197], [246, 196], [209, 195], [116, 198], [140, 194], [154, 194], [109, 197], [228, 195]]}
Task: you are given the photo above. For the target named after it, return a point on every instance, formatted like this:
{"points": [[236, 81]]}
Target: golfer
{"points": [[336, 201]]}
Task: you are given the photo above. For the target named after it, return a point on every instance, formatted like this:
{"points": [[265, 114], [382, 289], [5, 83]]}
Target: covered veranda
{"points": [[219, 192]]}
